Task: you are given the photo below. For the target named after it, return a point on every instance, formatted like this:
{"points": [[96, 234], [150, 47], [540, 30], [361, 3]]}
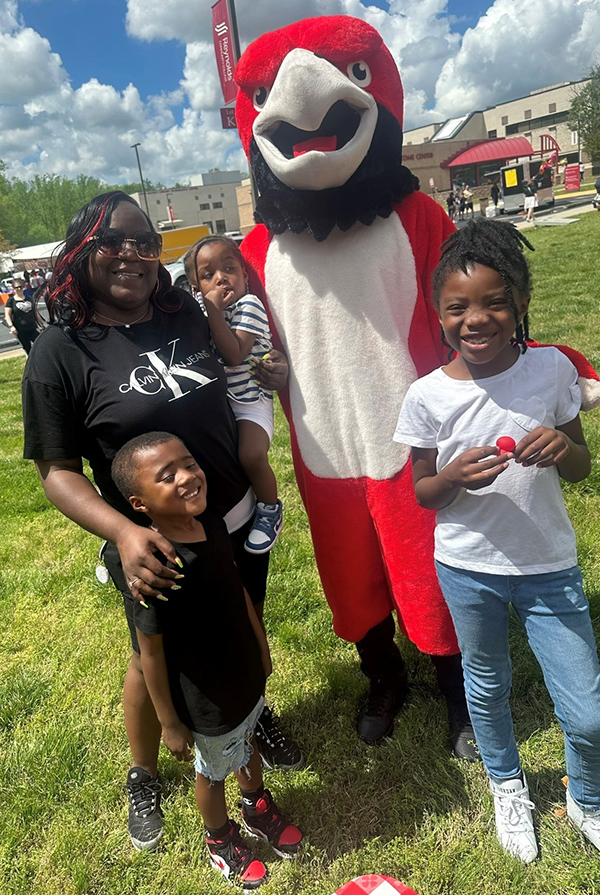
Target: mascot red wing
{"points": [[345, 249]]}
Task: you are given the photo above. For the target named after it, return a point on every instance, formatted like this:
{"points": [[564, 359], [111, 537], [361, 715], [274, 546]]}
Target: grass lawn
{"points": [[405, 810]]}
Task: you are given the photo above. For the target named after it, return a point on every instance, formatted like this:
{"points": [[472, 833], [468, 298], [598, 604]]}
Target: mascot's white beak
{"points": [[316, 125]]}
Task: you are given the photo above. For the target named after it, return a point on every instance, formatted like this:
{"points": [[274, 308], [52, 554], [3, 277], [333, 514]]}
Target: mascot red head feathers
{"points": [[319, 113]]}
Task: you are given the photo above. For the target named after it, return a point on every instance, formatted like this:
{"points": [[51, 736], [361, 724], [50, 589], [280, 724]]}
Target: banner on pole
{"points": [[224, 49], [228, 118]]}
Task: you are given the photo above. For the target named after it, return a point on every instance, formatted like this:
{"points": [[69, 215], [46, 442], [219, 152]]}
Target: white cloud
{"points": [[191, 21], [517, 47], [27, 66], [46, 125]]}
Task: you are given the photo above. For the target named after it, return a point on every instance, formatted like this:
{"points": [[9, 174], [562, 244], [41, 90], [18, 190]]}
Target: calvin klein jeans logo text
{"points": [[149, 380]]}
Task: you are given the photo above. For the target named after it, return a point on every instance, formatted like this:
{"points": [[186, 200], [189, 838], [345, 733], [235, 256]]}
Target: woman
{"points": [[127, 354], [22, 316]]}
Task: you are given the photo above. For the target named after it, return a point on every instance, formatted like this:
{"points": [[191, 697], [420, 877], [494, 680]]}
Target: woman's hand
{"points": [[179, 741], [272, 371], [146, 575]]}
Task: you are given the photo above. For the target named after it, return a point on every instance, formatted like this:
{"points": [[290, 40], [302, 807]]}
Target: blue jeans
{"points": [[555, 615]]}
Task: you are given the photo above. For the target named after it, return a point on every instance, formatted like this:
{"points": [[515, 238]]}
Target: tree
{"points": [[584, 116]]}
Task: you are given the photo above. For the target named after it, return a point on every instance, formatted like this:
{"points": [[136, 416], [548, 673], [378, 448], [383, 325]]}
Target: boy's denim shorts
{"points": [[217, 757]]}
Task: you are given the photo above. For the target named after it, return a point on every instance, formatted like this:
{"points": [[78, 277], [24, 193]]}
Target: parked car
{"points": [[178, 276], [6, 285]]}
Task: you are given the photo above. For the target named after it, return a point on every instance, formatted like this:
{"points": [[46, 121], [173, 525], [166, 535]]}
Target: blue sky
{"points": [[110, 55], [81, 80]]}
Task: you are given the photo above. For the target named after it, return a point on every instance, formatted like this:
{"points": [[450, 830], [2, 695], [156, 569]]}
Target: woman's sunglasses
{"points": [[112, 243]]}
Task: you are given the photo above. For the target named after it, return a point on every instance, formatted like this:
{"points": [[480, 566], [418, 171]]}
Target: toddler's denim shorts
{"points": [[217, 757]]}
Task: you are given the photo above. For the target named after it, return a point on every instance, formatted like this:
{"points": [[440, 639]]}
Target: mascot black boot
{"points": [[381, 662], [451, 683]]}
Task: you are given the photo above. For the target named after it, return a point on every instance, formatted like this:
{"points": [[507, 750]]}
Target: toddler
{"points": [[241, 335]]}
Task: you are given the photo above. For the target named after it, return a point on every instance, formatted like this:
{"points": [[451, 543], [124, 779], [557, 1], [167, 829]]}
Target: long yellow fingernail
{"points": [[178, 562], [175, 587], [163, 598], [145, 605]]}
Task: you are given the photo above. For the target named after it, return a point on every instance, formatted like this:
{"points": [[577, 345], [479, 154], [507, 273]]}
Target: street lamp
{"points": [[137, 155]]}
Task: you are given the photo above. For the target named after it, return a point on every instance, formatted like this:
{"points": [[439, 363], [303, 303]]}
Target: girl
{"points": [[240, 331], [503, 535]]}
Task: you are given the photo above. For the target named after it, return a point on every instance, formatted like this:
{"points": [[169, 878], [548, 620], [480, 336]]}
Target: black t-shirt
{"points": [[23, 312], [213, 658], [86, 393]]}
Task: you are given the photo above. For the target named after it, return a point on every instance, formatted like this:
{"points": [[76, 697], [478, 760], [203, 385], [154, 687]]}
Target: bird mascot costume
{"points": [[344, 249]]}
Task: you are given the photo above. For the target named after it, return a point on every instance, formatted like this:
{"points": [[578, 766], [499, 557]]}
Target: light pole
{"points": [[137, 155]]}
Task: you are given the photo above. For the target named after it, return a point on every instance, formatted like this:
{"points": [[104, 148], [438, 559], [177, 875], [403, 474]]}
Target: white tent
{"points": [[34, 256]]}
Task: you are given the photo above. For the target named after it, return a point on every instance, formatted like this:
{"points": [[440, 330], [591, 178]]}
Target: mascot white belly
{"points": [[343, 308]]}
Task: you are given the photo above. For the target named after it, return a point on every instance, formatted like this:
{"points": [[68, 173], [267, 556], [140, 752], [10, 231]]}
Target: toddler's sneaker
{"points": [[145, 814], [268, 522], [264, 820], [514, 824], [235, 860], [588, 822]]}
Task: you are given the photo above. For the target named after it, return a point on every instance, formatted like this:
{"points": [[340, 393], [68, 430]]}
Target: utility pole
{"points": [[137, 155]]}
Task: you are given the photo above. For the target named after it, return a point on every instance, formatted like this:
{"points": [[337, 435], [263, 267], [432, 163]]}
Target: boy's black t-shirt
{"points": [[87, 392], [213, 657], [23, 312]]}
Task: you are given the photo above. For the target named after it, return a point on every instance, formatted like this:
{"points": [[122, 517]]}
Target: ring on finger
{"points": [[132, 582]]}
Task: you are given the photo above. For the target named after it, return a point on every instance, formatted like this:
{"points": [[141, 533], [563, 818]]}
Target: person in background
{"points": [[529, 199], [22, 317]]}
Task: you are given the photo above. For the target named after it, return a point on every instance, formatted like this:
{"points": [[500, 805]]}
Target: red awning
{"points": [[492, 151]]}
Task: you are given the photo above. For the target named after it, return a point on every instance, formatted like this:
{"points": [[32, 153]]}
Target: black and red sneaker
{"points": [[264, 820], [235, 860]]}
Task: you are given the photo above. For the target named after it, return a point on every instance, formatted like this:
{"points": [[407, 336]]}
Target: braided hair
{"points": [[69, 295], [494, 244]]}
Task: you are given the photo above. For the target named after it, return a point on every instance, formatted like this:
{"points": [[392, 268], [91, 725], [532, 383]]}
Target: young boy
{"points": [[204, 654]]}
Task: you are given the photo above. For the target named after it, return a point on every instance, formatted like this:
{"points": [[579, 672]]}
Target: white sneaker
{"points": [[514, 824], [588, 822]]}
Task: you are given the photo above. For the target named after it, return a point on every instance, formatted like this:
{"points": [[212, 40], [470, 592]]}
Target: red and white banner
{"points": [[224, 49], [375, 885]]}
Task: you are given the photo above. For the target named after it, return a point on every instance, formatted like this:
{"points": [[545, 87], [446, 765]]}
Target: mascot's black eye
{"points": [[261, 94], [359, 73]]}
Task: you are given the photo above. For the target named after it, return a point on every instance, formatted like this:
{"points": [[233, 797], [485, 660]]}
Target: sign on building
{"points": [[228, 118]]}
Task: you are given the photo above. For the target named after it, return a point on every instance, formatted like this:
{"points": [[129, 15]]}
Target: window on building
{"points": [[492, 134], [204, 206], [158, 201], [221, 226], [208, 224], [505, 119], [209, 196], [527, 114], [196, 198], [552, 107], [217, 205], [222, 195]]}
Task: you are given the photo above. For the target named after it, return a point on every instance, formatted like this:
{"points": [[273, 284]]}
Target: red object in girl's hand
{"points": [[506, 444]]}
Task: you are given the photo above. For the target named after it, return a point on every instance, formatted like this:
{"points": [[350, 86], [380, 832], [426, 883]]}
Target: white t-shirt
{"points": [[518, 525], [248, 314]]}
